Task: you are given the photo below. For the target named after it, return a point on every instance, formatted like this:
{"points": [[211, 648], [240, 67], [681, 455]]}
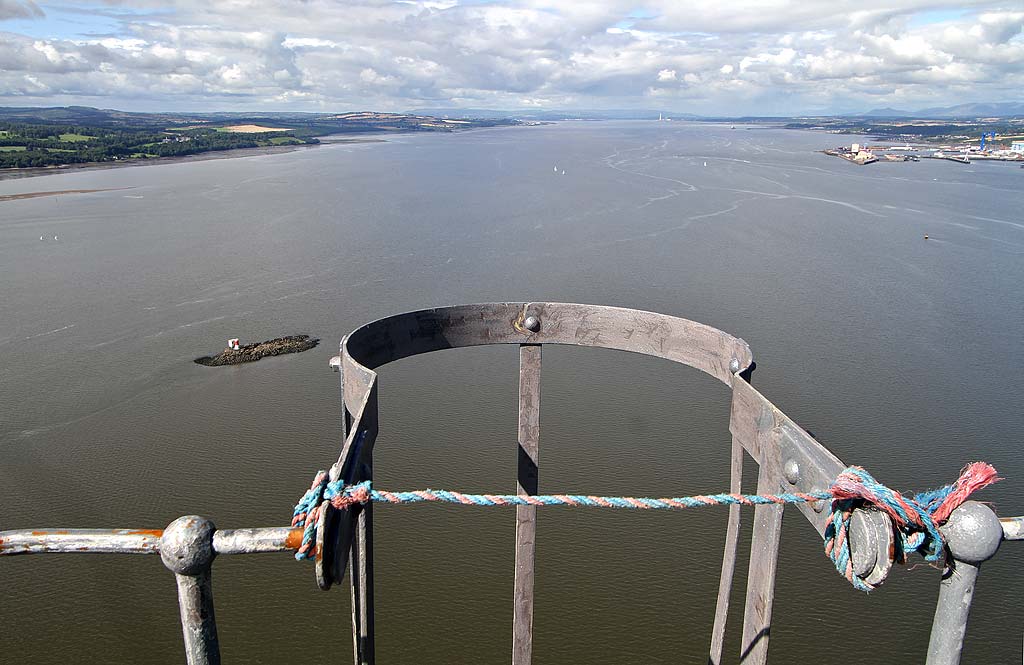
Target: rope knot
{"points": [[342, 496], [307, 510], [917, 518]]}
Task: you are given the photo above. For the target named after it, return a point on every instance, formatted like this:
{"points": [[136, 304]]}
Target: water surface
{"points": [[900, 354]]}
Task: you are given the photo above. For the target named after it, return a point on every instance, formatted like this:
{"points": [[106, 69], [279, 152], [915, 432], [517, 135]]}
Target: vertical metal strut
{"points": [[973, 534], [361, 576], [526, 516], [186, 548], [764, 559], [732, 532]]}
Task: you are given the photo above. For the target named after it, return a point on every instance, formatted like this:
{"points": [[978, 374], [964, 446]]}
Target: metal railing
{"points": [[788, 459]]}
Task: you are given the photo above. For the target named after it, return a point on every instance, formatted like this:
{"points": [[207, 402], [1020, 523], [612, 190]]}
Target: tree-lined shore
{"points": [[47, 137]]}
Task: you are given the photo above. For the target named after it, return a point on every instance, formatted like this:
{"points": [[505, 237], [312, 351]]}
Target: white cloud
{"points": [[748, 56], [19, 9]]}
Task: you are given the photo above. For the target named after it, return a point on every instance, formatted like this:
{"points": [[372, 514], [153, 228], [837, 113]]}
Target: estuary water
{"points": [[901, 354]]}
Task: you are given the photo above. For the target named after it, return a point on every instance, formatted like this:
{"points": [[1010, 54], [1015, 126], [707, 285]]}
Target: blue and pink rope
{"points": [[916, 518]]}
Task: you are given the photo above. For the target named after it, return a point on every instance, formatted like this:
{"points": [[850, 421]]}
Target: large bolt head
{"points": [[973, 532], [532, 323], [791, 471], [187, 545]]}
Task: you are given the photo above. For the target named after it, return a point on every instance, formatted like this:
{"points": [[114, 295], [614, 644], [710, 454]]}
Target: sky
{"points": [[711, 57]]}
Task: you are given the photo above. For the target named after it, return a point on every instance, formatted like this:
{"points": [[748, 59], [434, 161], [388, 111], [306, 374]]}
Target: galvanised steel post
{"points": [[186, 548], [973, 533]]}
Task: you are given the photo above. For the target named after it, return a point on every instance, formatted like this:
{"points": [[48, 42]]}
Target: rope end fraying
{"points": [[916, 519], [973, 477]]}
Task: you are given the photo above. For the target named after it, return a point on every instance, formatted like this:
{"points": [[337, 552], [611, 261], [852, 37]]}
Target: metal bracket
{"points": [[808, 466]]}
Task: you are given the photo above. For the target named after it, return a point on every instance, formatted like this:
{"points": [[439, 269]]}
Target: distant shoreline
{"points": [[36, 195], [33, 172]]}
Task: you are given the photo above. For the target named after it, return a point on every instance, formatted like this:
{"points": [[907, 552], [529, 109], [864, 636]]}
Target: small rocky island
{"points": [[235, 354]]}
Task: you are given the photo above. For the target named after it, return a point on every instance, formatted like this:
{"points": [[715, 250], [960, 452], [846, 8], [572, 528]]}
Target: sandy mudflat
{"points": [[11, 174], [252, 129], [33, 195]]}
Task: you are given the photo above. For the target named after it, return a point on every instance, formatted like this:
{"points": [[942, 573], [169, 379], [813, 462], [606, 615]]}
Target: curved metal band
{"points": [[680, 340], [757, 425], [395, 337]]}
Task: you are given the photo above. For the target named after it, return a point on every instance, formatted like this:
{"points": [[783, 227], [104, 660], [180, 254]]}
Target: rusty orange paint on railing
{"points": [[294, 539], [156, 533]]}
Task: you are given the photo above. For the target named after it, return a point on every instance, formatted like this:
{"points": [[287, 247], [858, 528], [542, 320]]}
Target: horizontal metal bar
{"points": [[1013, 527], [254, 541], [142, 541], [123, 541]]}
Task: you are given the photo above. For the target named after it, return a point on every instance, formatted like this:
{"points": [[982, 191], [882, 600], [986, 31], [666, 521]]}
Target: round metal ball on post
{"points": [[186, 548], [973, 534]]}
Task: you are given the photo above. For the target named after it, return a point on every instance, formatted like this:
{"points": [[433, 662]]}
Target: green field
{"points": [[40, 137]]}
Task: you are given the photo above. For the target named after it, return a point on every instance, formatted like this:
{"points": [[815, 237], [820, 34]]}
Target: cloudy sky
{"points": [[703, 56]]}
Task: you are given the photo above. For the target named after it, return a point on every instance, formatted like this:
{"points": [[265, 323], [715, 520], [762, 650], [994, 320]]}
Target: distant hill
{"points": [[311, 123], [973, 110], [557, 114], [886, 113]]}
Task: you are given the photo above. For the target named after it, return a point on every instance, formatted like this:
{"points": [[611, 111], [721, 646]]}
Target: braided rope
{"points": [[917, 519], [307, 513]]}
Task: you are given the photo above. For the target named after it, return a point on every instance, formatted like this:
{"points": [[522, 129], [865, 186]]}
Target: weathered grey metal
{"points": [[361, 585], [790, 459], [732, 531], [764, 560], [1013, 528], [186, 548], [348, 534], [810, 467], [973, 534], [255, 541], [527, 481], [413, 333], [121, 541], [757, 425], [338, 527], [142, 541], [672, 338]]}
